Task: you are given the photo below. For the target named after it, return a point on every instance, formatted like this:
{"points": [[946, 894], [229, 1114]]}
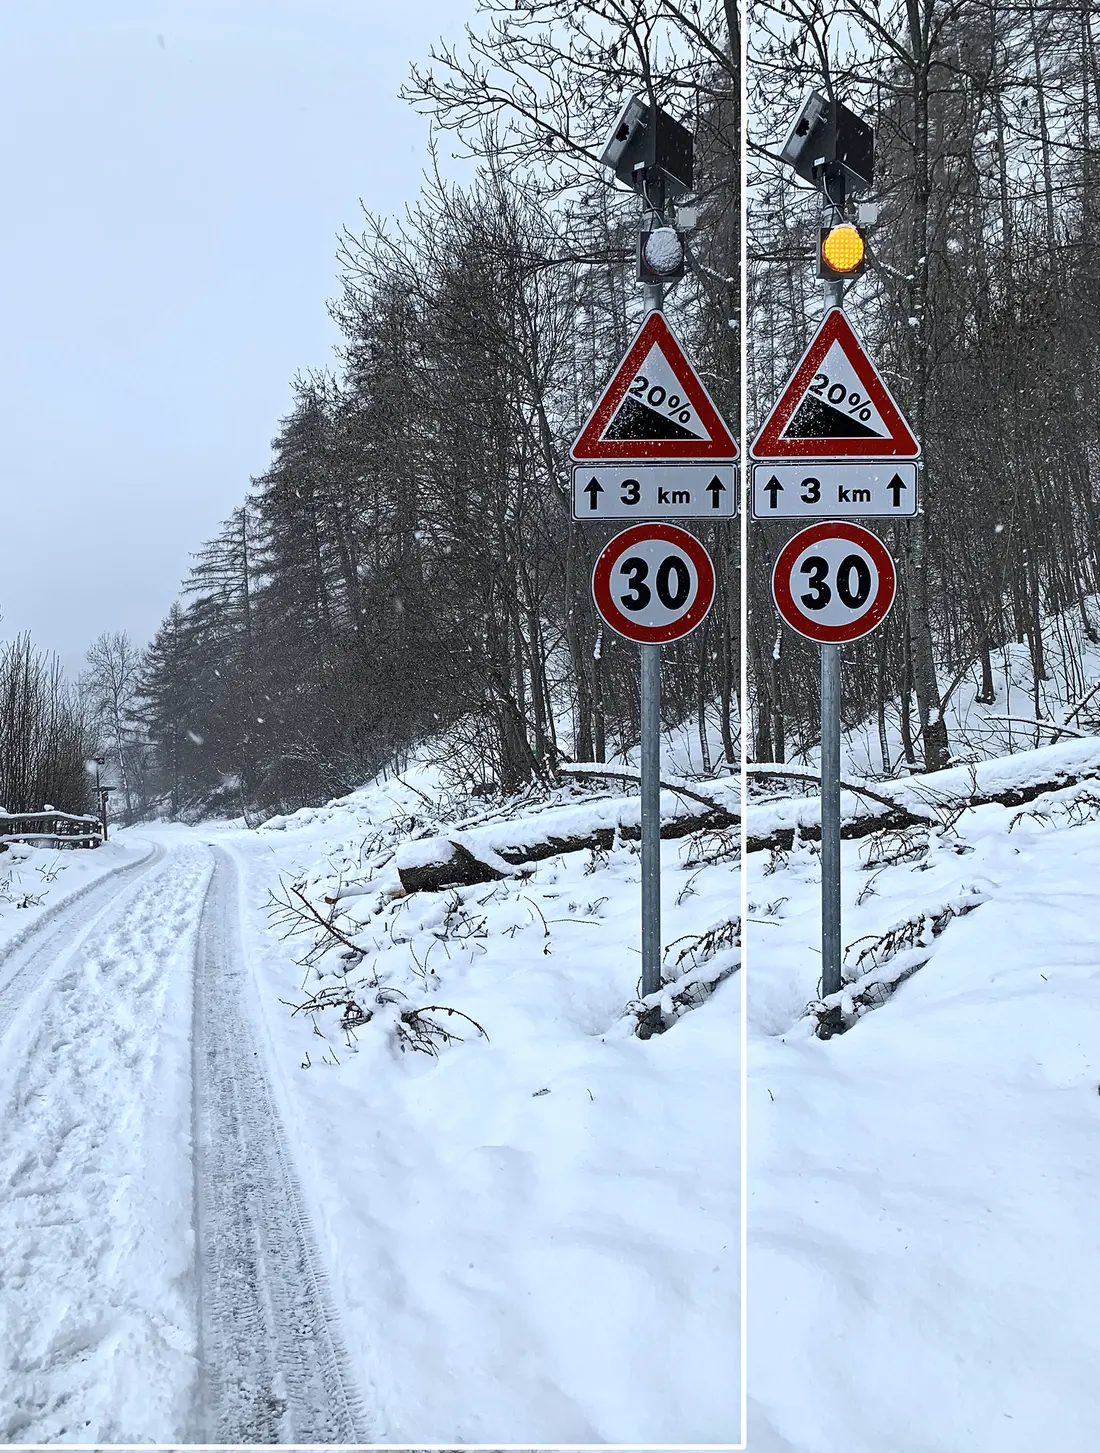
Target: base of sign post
{"points": [[651, 818], [830, 820]]}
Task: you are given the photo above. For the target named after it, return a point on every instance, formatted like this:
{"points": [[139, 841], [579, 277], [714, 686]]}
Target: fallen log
{"points": [[782, 839], [435, 863], [604, 837], [802, 774]]}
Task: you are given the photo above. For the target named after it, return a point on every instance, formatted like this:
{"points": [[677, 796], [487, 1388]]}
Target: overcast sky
{"points": [[173, 179]]}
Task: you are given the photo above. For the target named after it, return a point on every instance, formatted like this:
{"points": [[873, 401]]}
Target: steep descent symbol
{"points": [[836, 405], [655, 407]]}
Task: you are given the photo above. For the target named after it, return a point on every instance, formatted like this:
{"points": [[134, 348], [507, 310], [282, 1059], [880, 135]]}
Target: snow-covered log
{"points": [[434, 863], [468, 858], [439, 862], [1004, 782]]}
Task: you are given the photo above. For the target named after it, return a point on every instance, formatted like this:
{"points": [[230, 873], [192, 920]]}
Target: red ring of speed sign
{"points": [[834, 582], [653, 583]]}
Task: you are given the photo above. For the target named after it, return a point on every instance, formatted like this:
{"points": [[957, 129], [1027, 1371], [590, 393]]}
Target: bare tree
{"points": [[46, 737], [980, 303], [110, 686]]}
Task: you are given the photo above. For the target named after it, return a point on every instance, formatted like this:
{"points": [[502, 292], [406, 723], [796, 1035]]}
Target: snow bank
{"points": [[534, 1236], [923, 1256], [35, 881]]}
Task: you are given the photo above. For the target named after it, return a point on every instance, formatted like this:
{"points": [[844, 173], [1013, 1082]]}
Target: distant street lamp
{"points": [[101, 762], [104, 793]]}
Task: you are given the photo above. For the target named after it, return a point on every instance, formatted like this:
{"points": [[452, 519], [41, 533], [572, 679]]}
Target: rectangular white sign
{"points": [[643, 491], [830, 489]]}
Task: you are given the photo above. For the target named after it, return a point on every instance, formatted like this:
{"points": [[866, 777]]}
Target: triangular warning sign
{"points": [[836, 405], [655, 407]]}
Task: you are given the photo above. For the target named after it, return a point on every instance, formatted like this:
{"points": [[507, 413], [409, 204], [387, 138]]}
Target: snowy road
{"points": [[158, 1281], [273, 1368]]}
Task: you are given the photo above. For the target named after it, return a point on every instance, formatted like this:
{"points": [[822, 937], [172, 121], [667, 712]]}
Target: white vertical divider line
{"points": [[743, 683]]}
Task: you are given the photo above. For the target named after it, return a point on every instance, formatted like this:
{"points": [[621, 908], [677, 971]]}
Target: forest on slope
{"points": [[406, 566], [981, 305]]}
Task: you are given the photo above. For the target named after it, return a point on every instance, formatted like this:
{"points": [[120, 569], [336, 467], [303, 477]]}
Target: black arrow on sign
{"points": [[771, 489], [896, 485], [592, 489], [716, 489]]}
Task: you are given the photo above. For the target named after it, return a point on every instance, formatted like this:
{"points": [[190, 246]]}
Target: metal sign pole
{"points": [[653, 296], [651, 818], [844, 550], [652, 153], [830, 780], [830, 819], [829, 146]]}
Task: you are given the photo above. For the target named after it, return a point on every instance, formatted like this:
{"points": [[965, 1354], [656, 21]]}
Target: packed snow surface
{"points": [[226, 1219], [535, 1235], [924, 1259], [96, 1287]]}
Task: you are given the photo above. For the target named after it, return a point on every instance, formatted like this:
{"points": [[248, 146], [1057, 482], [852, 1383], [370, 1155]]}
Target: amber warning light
{"points": [[841, 251]]}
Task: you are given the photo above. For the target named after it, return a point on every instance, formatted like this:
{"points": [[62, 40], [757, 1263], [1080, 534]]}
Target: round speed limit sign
{"points": [[834, 582], [653, 583]]}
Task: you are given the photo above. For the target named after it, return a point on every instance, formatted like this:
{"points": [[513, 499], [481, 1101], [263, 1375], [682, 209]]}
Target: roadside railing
{"points": [[51, 829]]}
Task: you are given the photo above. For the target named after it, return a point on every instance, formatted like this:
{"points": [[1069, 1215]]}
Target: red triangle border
{"points": [[901, 442], [591, 447]]}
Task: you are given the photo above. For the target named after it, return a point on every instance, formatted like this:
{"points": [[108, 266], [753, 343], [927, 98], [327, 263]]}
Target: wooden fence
{"points": [[51, 829]]}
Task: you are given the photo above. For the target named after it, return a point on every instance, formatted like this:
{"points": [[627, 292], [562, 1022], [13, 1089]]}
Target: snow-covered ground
{"points": [[34, 881], [530, 1234], [96, 1281], [924, 1264], [924, 1255], [535, 1235]]}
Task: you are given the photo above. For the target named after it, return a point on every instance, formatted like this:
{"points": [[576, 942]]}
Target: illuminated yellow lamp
{"points": [[843, 248]]}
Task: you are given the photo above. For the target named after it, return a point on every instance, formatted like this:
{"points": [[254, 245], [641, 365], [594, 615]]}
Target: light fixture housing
{"points": [[826, 138], [841, 252], [661, 256]]}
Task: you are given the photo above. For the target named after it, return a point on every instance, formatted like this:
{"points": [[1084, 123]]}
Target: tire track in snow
{"points": [[44, 941], [97, 1275], [273, 1367]]}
